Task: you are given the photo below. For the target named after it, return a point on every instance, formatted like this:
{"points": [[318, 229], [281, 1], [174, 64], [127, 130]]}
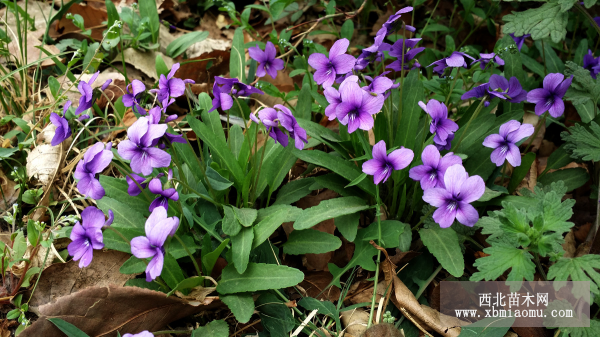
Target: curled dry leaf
{"points": [[102, 311], [8, 191], [92, 18], [198, 295], [62, 279], [36, 261], [144, 62], [355, 321], [383, 330], [45, 159]]}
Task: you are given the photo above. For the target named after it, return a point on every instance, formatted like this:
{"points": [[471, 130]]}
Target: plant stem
{"points": [[453, 85], [535, 133], [262, 157], [378, 215], [189, 254], [475, 114], [429, 19], [589, 17], [538, 263], [423, 219], [574, 34], [544, 57]]}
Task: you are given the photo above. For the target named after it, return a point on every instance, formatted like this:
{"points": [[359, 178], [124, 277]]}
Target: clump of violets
{"points": [[62, 131], [443, 127], [519, 40], [163, 196], [487, 58], [86, 100], [549, 97], [170, 86], [453, 199], [455, 60], [87, 235], [328, 68], [94, 161], [405, 51], [357, 107], [225, 89], [267, 61], [382, 165], [141, 148], [431, 173], [158, 227], [504, 143], [133, 96], [591, 63]]}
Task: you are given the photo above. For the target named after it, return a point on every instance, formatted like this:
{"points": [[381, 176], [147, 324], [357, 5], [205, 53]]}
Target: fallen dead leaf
{"points": [[533, 119], [102, 311], [355, 321], [143, 61], [11, 195], [383, 330], [33, 53], [92, 18], [569, 245], [206, 46], [198, 295], [63, 279], [45, 159], [198, 70], [315, 281]]}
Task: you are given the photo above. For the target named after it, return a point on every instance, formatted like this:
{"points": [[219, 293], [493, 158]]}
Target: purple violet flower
{"points": [[392, 24], [357, 107], [144, 333], [371, 54], [333, 98], [106, 84], [170, 86], [338, 63], [454, 199], [132, 98], [155, 186], [378, 85], [510, 91], [503, 143], [87, 237], [155, 115], [133, 189], [267, 63], [87, 94], [592, 64], [448, 145], [456, 60], [404, 55], [440, 124], [431, 173], [268, 116], [549, 98], [94, 161], [477, 92], [62, 131], [382, 164], [225, 88], [158, 227], [487, 58], [288, 121], [140, 147], [597, 20], [519, 40]]}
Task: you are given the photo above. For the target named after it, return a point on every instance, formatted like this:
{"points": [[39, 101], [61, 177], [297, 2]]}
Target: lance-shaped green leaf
{"points": [[258, 276], [241, 244], [443, 244], [311, 241], [241, 305], [329, 209]]}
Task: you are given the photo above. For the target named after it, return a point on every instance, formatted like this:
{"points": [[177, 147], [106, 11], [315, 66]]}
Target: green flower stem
{"points": [[473, 117], [429, 19], [262, 157], [189, 254], [378, 215], [453, 85], [589, 17], [423, 219], [538, 263]]}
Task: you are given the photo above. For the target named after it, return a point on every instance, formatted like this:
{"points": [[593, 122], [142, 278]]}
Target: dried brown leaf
{"points": [[62, 279], [102, 311]]}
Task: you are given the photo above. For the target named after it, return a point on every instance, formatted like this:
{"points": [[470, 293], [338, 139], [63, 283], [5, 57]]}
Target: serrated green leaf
{"points": [[241, 245], [541, 22], [592, 331], [245, 216], [311, 241], [241, 305], [258, 276], [583, 144], [329, 209], [581, 268], [213, 329], [443, 244], [501, 258]]}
